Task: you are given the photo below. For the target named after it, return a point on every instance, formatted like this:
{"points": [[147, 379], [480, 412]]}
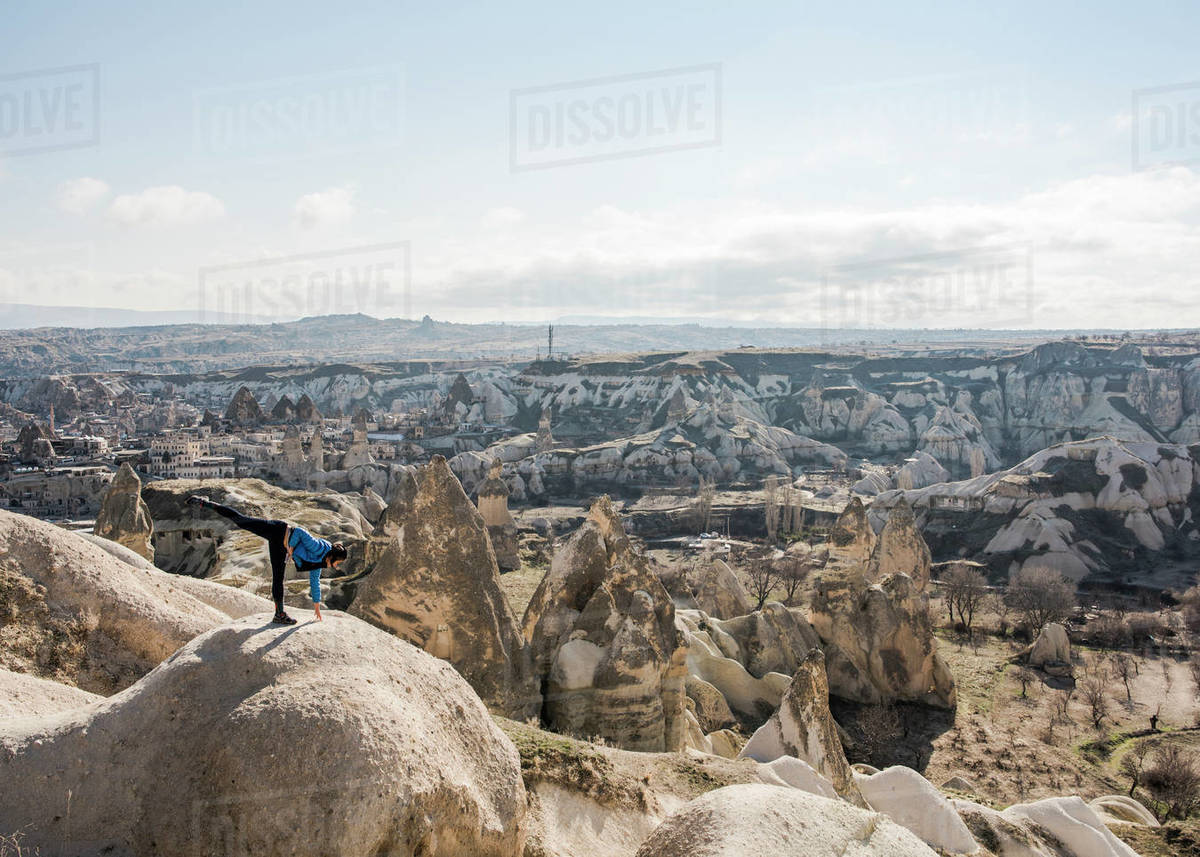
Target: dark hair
{"points": [[337, 552]]}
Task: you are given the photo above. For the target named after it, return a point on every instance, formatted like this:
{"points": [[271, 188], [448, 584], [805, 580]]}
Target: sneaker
{"points": [[196, 500], [283, 619]]}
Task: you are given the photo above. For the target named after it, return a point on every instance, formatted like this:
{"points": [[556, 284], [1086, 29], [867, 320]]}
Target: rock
{"points": [[1122, 809], [77, 613], [960, 783], [911, 801], [712, 711], [1051, 651], [750, 697], [124, 516], [736, 821], [190, 761], [852, 535], [901, 548], [774, 639], [24, 695], [919, 471], [493, 506], [1073, 823], [602, 629], [878, 641], [306, 411], [804, 728], [437, 586], [284, 410], [726, 743], [717, 590], [244, 409], [797, 774]]}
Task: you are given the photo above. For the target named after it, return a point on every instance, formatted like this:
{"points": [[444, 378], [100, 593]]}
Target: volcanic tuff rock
{"points": [[717, 590], [24, 695], [759, 819], [901, 548], [1055, 508], [873, 617], [437, 585], [124, 516], [76, 612], [1051, 651], [910, 800], [244, 409], [602, 631], [804, 728], [406, 759], [879, 642]]}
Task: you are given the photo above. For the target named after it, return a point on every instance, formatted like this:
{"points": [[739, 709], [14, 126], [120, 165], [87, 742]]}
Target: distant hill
{"points": [[23, 316], [78, 339]]}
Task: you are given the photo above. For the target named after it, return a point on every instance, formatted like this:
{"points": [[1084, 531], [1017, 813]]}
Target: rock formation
{"points": [[1051, 651], [602, 630], [493, 506], [306, 411], [717, 590], [1051, 510], [852, 536], [24, 695], [78, 613], [437, 585], [804, 728], [879, 642], [741, 820], [901, 548], [284, 410], [244, 409], [206, 755], [124, 516], [913, 802]]}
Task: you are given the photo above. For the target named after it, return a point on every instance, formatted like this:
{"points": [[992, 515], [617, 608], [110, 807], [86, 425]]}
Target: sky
{"points": [[1025, 165]]}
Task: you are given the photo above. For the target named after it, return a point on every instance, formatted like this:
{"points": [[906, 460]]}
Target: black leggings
{"points": [[275, 532]]}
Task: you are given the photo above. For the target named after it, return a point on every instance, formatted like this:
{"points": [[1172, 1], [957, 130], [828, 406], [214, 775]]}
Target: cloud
{"points": [[168, 205], [78, 196], [1102, 251], [331, 207], [502, 218]]}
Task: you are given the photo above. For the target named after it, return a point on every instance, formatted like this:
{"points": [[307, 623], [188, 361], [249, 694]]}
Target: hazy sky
{"points": [[779, 163]]}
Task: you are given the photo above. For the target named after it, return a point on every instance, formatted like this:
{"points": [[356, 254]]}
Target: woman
{"points": [[308, 552]]}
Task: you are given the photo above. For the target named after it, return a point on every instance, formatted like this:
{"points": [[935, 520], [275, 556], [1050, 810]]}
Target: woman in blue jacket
{"points": [[308, 552]]}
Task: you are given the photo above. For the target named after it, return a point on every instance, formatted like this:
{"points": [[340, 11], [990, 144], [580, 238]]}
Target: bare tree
{"points": [[1133, 764], [965, 589], [706, 493], [1092, 689], [1173, 779], [1025, 677], [1040, 595], [1125, 668], [792, 572], [771, 507], [762, 580]]}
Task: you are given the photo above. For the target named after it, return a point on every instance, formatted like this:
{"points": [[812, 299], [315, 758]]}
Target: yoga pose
{"points": [[283, 541]]}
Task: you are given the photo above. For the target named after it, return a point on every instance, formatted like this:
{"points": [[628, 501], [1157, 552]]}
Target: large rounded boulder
{"points": [[328, 738]]}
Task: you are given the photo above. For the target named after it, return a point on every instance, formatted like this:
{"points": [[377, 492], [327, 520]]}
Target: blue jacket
{"points": [[309, 552]]}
